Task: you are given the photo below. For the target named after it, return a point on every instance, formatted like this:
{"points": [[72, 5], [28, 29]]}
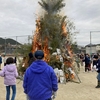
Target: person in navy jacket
{"points": [[40, 80], [98, 70], [87, 63]]}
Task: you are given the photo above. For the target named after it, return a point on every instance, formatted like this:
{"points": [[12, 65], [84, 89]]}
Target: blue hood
{"points": [[38, 66]]}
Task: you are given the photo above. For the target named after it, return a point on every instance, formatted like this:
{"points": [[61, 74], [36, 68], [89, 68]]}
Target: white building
{"points": [[92, 49]]}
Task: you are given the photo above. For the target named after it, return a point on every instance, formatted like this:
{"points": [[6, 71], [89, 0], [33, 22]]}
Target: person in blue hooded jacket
{"points": [[40, 80]]}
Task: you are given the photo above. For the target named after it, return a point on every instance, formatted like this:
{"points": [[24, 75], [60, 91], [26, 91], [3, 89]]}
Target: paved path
{"points": [[69, 91]]}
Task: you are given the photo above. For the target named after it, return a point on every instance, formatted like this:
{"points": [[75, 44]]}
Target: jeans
{"points": [[8, 92], [27, 98], [98, 76]]}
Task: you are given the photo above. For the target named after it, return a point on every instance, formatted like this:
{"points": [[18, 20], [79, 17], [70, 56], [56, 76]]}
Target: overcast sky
{"points": [[17, 18]]}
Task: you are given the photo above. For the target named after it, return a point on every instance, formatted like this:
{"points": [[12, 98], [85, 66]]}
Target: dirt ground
{"points": [[70, 91]]}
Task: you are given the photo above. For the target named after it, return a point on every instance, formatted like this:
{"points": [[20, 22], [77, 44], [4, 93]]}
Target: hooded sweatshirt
{"points": [[9, 72], [39, 81]]}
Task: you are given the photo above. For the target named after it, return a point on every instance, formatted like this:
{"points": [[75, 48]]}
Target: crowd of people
{"points": [[40, 80], [89, 62], [92, 63]]}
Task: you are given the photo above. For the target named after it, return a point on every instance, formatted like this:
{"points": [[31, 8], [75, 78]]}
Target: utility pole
{"points": [[16, 44], [90, 44], [5, 45], [91, 41]]}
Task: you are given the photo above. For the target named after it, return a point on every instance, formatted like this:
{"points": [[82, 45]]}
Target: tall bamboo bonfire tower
{"points": [[53, 32]]}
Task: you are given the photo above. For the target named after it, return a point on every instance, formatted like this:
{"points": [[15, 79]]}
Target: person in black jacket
{"points": [[0, 61], [98, 70], [31, 58], [94, 62], [30, 61]]}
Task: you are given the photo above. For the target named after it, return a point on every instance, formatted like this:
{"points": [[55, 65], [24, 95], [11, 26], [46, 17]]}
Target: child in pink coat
{"points": [[9, 72]]}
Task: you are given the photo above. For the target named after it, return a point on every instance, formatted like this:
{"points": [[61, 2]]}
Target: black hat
{"points": [[95, 56], [39, 54], [30, 55]]}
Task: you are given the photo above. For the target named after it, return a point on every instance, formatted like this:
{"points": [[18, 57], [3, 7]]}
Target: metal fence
{"points": [[9, 43]]}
